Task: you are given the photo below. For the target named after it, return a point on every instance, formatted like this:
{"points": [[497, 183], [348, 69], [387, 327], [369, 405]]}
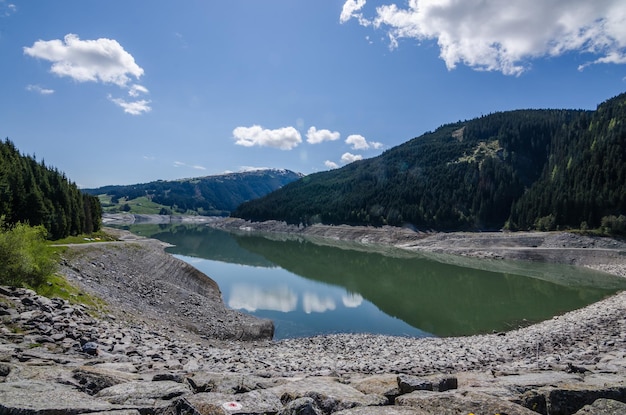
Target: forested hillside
{"points": [[210, 195], [522, 169], [33, 193]]}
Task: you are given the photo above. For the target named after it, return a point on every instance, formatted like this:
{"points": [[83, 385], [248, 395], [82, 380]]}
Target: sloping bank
{"points": [[143, 283]]}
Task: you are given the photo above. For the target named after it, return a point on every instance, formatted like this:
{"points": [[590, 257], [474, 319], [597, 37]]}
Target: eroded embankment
{"points": [[143, 283]]}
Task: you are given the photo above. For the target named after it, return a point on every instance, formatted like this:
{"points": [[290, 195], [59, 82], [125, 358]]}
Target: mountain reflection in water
{"points": [[309, 289]]}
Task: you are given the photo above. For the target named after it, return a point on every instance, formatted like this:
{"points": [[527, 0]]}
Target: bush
{"points": [[25, 259]]}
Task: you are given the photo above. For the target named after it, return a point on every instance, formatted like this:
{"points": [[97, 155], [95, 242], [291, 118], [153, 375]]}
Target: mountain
{"points": [[33, 193], [524, 169], [210, 195]]}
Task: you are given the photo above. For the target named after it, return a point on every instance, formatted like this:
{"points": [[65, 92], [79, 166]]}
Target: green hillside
{"points": [[211, 195], [522, 169]]}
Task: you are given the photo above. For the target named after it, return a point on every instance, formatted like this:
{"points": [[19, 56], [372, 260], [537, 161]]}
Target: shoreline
{"points": [[578, 357]]}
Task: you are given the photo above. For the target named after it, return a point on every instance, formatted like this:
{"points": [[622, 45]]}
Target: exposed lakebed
{"points": [[308, 288]]}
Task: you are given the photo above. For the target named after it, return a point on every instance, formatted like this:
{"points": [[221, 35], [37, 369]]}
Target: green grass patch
{"points": [[56, 286], [100, 236]]}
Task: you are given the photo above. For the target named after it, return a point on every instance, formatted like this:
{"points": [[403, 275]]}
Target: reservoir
{"points": [[322, 287]]}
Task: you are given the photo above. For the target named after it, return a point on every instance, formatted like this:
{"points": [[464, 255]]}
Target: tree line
{"points": [[33, 193], [521, 170]]}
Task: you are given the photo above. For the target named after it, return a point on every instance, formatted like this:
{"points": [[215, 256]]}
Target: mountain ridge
{"points": [[207, 195], [502, 170]]}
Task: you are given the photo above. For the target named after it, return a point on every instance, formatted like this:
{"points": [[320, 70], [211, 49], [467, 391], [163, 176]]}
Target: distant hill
{"points": [[210, 195], [33, 193], [524, 169]]}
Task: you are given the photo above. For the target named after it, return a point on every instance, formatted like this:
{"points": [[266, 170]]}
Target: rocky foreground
{"points": [[56, 357]]}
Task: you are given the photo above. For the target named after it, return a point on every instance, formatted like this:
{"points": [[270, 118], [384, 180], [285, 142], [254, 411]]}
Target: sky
{"points": [[132, 91]]}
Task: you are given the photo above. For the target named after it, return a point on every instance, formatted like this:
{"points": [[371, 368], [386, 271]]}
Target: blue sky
{"points": [[123, 92]]}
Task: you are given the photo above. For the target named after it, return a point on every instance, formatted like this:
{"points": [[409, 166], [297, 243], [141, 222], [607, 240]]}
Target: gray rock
{"points": [[30, 397], [250, 403], [300, 406], [603, 407], [571, 399], [383, 410], [386, 385], [329, 394], [437, 383], [92, 380], [460, 403], [227, 383], [144, 394]]}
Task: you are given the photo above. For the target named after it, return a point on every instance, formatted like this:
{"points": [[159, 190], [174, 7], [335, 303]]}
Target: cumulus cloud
{"points": [[101, 60], [347, 158], [38, 89], [315, 136], [330, 164], [351, 9], [132, 107], [358, 142], [285, 138], [493, 35]]}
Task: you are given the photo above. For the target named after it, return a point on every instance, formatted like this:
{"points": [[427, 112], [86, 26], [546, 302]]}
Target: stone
{"points": [[91, 348], [603, 407], [145, 394], [329, 394], [227, 383], [92, 380], [211, 403], [437, 383], [571, 399], [383, 410], [26, 397], [460, 403], [300, 406]]}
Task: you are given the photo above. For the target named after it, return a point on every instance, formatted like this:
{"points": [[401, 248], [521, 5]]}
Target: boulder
{"points": [[437, 383], [328, 393], [300, 406], [227, 383], [144, 394], [460, 403], [603, 407], [26, 397], [211, 403]]}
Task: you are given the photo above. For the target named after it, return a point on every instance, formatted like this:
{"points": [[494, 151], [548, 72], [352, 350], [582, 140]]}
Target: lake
{"points": [[310, 288]]}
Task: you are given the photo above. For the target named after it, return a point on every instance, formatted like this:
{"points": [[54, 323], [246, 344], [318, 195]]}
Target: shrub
{"points": [[25, 259]]}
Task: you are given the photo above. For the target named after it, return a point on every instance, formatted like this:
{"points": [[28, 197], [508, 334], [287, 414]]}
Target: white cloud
{"points": [[7, 9], [351, 8], [330, 164], [495, 35], [285, 138], [347, 158], [39, 90], [182, 164], [358, 142], [132, 107], [102, 60], [136, 90], [315, 136]]}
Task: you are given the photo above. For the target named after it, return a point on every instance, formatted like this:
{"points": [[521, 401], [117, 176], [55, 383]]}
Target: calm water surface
{"points": [[309, 289]]}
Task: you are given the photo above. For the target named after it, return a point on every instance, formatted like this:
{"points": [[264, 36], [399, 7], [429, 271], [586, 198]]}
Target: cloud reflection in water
{"points": [[252, 298]]}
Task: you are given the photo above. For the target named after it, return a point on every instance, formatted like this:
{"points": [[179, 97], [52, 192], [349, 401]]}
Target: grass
{"points": [[57, 286], [140, 205], [99, 236]]}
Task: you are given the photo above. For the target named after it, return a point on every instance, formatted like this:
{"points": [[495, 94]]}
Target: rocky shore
{"points": [[144, 355]]}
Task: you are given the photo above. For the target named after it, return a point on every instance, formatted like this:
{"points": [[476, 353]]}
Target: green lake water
{"points": [[310, 288]]}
